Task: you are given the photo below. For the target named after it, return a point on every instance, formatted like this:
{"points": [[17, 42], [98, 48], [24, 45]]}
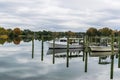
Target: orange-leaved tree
{"points": [[17, 31]]}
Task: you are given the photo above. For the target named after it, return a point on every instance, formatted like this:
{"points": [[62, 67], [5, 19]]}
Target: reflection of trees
{"points": [[27, 39], [3, 31], [17, 40], [9, 40], [2, 41]]}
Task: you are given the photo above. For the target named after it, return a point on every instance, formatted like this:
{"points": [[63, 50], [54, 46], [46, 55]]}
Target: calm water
{"points": [[25, 62]]}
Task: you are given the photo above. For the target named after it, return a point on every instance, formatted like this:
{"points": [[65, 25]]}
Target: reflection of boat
{"points": [[103, 60], [104, 57], [100, 54], [61, 43], [61, 53], [70, 56], [102, 48], [50, 51]]}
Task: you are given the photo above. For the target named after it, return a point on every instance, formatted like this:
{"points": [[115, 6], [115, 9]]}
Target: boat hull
{"points": [[102, 48], [64, 46], [101, 54]]}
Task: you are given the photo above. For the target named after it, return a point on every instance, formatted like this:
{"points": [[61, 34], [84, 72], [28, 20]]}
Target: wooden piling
{"points": [[84, 41], [119, 52], [112, 57], [67, 63], [86, 52], [32, 47], [112, 44], [53, 50], [68, 44], [112, 67], [86, 61], [42, 47]]}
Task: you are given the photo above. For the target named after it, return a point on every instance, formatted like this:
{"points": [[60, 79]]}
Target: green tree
{"points": [[105, 31], [2, 41], [92, 32], [10, 33], [3, 31]]}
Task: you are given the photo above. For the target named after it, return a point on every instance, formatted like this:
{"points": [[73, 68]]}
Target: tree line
{"points": [[102, 32], [17, 35], [17, 32]]}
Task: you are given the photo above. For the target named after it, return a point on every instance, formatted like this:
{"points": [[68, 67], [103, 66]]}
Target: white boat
{"points": [[61, 43], [102, 48]]}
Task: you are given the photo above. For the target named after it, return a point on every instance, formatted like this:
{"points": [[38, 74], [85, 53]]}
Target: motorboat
{"points": [[61, 43], [101, 54], [102, 48]]}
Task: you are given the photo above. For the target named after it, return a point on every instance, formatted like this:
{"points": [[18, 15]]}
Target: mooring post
{"points": [[84, 44], [86, 53], [67, 63], [119, 52], [53, 49], [112, 44], [112, 67], [42, 47], [86, 61], [112, 57], [32, 47]]}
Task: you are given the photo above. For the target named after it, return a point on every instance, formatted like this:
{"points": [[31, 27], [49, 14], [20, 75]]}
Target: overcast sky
{"points": [[60, 15]]}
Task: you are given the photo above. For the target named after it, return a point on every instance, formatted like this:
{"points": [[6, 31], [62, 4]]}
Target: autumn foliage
{"points": [[92, 31], [17, 31], [102, 32]]}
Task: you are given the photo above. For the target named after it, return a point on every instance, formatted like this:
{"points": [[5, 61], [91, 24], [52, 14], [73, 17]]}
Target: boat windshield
{"points": [[63, 40]]}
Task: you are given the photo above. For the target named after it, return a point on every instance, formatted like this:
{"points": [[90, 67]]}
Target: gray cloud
{"points": [[59, 15]]}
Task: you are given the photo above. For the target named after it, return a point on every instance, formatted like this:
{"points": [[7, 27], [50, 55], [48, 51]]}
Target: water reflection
{"points": [[68, 54], [77, 62], [103, 56], [112, 67], [103, 60], [74, 53], [42, 47], [65, 53], [17, 40], [32, 48], [57, 51], [86, 61]]}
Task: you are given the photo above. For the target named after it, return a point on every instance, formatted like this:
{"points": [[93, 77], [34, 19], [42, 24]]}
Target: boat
{"points": [[61, 43], [102, 48], [101, 54]]}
